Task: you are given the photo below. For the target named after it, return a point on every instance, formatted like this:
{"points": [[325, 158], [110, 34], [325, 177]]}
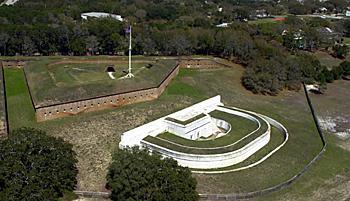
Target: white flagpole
{"points": [[130, 75]]}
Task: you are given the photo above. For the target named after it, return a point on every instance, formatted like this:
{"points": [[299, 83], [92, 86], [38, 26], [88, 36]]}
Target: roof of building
{"points": [[101, 15]]}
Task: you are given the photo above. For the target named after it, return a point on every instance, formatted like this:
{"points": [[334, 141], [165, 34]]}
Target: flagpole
{"points": [[130, 75]]}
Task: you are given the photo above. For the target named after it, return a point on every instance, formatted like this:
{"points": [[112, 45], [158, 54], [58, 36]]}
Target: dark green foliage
{"points": [[35, 166], [345, 66], [183, 28], [340, 50], [264, 76], [137, 175]]}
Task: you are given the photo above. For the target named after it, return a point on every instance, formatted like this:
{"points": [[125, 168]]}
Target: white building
{"points": [[101, 15], [190, 123], [191, 128], [223, 25]]}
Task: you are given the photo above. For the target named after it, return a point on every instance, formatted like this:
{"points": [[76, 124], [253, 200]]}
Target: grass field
{"points": [[57, 80], [327, 60], [96, 135], [276, 139], [267, 20]]}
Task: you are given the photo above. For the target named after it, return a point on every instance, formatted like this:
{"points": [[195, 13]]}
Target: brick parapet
{"points": [[100, 103]]}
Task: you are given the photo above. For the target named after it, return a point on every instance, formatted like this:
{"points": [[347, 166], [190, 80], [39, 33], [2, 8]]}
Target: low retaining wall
{"points": [[99, 103], [213, 160], [201, 63]]}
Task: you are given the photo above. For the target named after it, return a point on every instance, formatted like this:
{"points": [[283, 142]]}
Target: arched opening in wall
{"points": [[110, 69]]}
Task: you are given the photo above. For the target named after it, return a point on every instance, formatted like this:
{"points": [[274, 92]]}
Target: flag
{"points": [[128, 30]]}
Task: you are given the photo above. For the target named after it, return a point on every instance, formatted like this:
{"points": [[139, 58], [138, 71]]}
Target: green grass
{"points": [[347, 40], [275, 140], [19, 106], [327, 60], [185, 122], [53, 82], [95, 135], [266, 20], [179, 87], [66, 75]]}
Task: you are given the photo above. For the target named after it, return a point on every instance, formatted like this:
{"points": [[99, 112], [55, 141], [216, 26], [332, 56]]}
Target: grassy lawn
{"points": [[19, 106], [276, 139], [96, 135], [53, 81], [347, 40], [266, 20], [327, 59]]}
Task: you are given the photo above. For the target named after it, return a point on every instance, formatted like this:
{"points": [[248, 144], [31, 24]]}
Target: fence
{"points": [[283, 185], [249, 195]]}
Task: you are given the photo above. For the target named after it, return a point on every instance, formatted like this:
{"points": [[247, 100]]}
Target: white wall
{"points": [[214, 160], [133, 137]]}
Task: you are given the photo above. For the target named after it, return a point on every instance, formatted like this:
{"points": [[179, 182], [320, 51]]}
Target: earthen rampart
{"points": [[104, 102]]}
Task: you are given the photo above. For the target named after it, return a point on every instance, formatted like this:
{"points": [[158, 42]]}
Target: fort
{"points": [[61, 105], [206, 120]]}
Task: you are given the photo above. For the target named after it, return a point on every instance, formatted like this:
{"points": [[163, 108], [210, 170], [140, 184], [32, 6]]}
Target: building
{"points": [[191, 127], [191, 123], [101, 15]]}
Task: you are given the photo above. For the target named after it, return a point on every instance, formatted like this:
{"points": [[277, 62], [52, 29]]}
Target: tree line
{"points": [[276, 55]]}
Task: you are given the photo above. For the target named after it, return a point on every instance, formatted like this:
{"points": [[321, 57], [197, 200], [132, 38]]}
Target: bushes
{"points": [[340, 50], [137, 175]]}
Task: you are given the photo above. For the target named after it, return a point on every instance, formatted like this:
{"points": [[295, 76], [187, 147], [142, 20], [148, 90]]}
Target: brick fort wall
{"points": [[100, 103]]}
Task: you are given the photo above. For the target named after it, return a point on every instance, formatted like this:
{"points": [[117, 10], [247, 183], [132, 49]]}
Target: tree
{"points": [[35, 166], [3, 41], [137, 175], [345, 66], [340, 50], [92, 44], [264, 76]]}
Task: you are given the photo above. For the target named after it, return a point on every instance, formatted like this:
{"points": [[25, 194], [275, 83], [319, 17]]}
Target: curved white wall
{"points": [[200, 161], [207, 161]]}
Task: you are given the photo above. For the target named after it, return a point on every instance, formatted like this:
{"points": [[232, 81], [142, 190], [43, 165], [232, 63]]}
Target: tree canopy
{"points": [[35, 166], [138, 175]]}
